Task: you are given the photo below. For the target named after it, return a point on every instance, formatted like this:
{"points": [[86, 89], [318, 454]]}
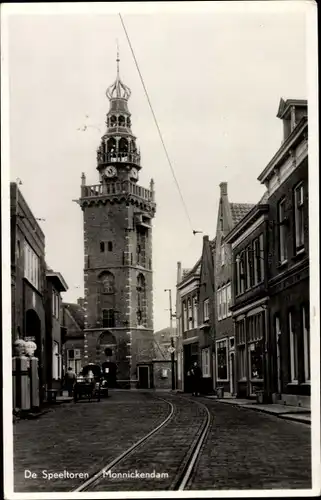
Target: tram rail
{"points": [[182, 475]]}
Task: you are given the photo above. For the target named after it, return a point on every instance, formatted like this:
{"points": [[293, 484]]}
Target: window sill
{"points": [[307, 383], [282, 264], [243, 379], [222, 380], [206, 376], [299, 254], [294, 382]]}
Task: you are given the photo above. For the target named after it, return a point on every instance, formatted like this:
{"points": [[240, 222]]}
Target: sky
{"points": [[214, 75]]}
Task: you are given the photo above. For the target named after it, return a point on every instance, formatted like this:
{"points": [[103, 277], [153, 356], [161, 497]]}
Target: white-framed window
{"points": [[31, 266], [195, 312], [206, 362], [55, 304], [185, 322], [206, 310], [190, 314], [222, 360], [228, 299], [299, 216], [55, 360], [241, 353], [219, 304], [222, 254], [306, 343], [223, 301], [74, 360], [293, 350], [283, 247]]}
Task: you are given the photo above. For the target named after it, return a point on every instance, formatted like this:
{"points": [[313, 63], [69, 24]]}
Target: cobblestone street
{"points": [[243, 449]]}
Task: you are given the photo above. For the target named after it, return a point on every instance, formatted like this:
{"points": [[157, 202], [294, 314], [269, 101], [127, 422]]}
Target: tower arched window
{"points": [[123, 145], [113, 121], [107, 283], [111, 145], [128, 121], [141, 300], [121, 121]]}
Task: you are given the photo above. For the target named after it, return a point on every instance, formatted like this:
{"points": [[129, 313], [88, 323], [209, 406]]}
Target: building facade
{"points": [[55, 285], [28, 279], [249, 243], [229, 214], [73, 322], [118, 217], [188, 342], [286, 180], [195, 319]]}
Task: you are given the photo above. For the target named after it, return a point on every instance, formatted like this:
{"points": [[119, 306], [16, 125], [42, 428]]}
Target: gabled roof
{"points": [[195, 271], [77, 312], [239, 210]]}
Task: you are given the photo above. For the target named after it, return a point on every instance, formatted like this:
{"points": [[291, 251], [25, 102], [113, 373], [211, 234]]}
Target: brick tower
{"points": [[118, 217]]}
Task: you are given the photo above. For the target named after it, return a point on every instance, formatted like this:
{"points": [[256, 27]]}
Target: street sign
{"points": [[171, 349]]}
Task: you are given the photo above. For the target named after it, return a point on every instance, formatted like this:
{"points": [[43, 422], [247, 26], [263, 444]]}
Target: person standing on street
{"points": [[196, 375], [70, 379]]}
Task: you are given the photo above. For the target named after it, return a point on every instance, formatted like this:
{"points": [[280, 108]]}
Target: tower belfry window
{"points": [[110, 246], [102, 246]]}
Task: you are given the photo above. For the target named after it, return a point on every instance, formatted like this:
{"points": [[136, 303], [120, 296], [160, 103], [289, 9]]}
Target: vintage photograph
{"points": [[160, 169]]}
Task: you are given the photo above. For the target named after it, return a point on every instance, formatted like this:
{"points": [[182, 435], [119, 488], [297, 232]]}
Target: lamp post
{"points": [[172, 338]]}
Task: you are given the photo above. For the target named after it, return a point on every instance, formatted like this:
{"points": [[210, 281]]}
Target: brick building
{"points": [[249, 243], [28, 279], [118, 217], [195, 319], [73, 316], [188, 342], [55, 285], [286, 180], [229, 214]]}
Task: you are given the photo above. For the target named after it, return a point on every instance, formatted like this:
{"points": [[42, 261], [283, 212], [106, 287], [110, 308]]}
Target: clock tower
{"points": [[118, 216]]}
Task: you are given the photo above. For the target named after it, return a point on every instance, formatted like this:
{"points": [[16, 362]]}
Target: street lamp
{"points": [[171, 315]]}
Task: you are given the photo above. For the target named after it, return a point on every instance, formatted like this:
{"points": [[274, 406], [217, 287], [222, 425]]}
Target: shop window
{"points": [[293, 349], [242, 361], [306, 342], [206, 362], [221, 359], [256, 360]]}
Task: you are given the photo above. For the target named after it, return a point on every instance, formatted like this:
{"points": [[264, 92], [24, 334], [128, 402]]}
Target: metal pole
{"points": [[172, 338]]}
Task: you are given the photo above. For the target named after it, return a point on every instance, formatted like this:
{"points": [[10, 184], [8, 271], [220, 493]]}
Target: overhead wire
{"points": [[157, 126]]}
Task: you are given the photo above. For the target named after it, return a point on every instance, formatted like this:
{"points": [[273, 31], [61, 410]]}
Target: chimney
{"points": [[223, 188], [80, 302], [205, 238], [179, 272]]}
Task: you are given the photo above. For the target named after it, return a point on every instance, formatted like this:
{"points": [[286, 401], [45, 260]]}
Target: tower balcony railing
{"points": [[116, 156], [117, 188]]}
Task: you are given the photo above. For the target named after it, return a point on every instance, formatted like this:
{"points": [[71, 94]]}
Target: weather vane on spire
{"points": [[117, 60], [118, 90]]}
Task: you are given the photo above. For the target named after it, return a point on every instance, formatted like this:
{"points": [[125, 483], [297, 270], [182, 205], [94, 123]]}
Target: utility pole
{"points": [[172, 338]]}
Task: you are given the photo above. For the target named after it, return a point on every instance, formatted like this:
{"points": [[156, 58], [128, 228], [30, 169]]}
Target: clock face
{"points": [[134, 173], [111, 171]]}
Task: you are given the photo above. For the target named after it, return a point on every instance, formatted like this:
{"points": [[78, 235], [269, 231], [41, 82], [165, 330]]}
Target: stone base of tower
{"points": [[128, 353]]}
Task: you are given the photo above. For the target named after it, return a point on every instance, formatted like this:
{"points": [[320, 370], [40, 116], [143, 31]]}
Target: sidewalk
{"points": [[293, 413]]}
